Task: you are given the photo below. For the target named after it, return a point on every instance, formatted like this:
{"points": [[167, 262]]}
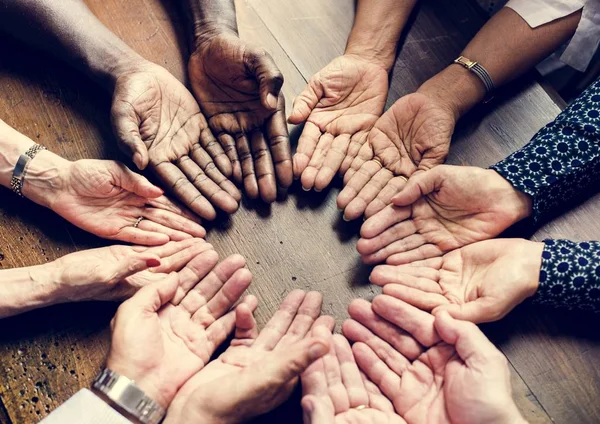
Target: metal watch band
{"points": [[125, 394], [18, 176], [478, 70]]}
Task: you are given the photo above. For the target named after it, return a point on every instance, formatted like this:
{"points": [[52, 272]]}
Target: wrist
{"points": [[205, 31], [45, 177], [383, 59], [516, 204], [455, 88], [532, 261]]}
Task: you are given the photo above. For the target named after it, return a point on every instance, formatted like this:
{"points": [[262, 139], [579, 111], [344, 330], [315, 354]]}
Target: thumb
{"points": [[151, 297], [306, 102], [470, 343], [268, 75], [418, 185], [476, 311], [130, 265], [316, 412], [129, 139], [134, 182]]}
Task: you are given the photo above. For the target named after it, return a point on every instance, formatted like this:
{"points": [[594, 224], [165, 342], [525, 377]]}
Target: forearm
{"points": [[507, 47], [377, 28], [206, 17], [43, 175], [570, 275], [68, 29], [24, 289]]}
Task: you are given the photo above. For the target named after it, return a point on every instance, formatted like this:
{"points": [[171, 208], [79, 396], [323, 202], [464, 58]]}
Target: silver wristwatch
{"points": [[125, 394]]}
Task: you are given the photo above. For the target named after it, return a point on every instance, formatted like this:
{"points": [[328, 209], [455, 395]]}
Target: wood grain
{"points": [[298, 242]]}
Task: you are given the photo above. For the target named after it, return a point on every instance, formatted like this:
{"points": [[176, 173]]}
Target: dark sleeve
{"points": [[570, 275], [561, 164]]}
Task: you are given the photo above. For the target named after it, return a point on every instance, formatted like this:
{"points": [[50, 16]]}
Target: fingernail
{"points": [[305, 189], [137, 159], [318, 190], [152, 263], [271, 101], [317, 350], [345, 219]]}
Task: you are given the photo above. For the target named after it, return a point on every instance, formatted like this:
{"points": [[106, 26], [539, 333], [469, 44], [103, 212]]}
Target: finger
{"points": [[166, 204], [316, 411], [306, 146], [129, 265], [362, 312], [308, 312], [263, 166], [228, 145], [407, 244], [473, 347], [367, 246], [178, 260], [364, 154], [356, 142], [417, 323], [147, 225], [174, 221], [279, 143], [169, 248], [281, 321], [194, 271], [249, 177], [419, 185], [208, 167], [223, 301], [325, 321], [333, 374], [139, 236], [384, 197], [422, 278], [357, 394], [333, 160], [306, 101], [126, 126], [213, 279], [316, 161], [213, 148], [377, 371], [427, 251], [314, 381], [174, 178], [209, 189], [149, 299], [376, 399], [413, 296], [133, 182], [267, 74], [367, 194], [245, 324], [383, 220], [479, 311]]}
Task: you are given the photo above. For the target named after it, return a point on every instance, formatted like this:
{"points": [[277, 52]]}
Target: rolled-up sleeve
{"points": [[580, 50], [84, 407]]}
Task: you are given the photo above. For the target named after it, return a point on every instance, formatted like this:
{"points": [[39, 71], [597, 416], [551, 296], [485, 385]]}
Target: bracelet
{"points": [[478, 70], [18, 176]]}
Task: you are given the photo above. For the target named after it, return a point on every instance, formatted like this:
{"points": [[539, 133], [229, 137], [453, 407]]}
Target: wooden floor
{"points": [[47, 355]]}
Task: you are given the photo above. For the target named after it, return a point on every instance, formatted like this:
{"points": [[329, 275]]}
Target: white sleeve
{"points": [[580, 50], [84, 407]]}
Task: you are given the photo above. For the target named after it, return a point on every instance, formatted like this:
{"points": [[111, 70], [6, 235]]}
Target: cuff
{"points": [[84, 407], [540, 12]]}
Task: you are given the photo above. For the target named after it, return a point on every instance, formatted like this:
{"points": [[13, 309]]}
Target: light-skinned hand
{"points": [[439, 210], [340, 106], [259, 370]]}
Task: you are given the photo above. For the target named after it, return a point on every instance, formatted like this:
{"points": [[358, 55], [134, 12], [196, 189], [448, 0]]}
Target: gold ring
{"points": [[404, 178], [360, 407], [137, 221], [378, 162]]}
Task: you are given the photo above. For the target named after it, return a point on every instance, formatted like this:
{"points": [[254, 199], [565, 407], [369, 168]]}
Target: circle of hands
{"points": [[411, 361]]}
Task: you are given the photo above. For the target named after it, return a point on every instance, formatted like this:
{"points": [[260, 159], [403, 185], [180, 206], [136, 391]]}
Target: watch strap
{"points": [[126, 395], [18, 176], [478, 70]]}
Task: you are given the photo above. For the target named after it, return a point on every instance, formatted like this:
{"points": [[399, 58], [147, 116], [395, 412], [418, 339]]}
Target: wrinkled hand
{"points": [[169, 330], [117, 272], [414, 134], [481, 282], [239, 89], [340, 106], [440, 210], [333, 388], [435, 370], [158, 123], [105, 198], [259, 370]]}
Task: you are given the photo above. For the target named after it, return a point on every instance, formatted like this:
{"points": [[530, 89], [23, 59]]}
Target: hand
{"points": [[239, 89], [340, 106], [414, 134], [481, 282], [462, 379], [105, 198], [440, 210], [258, 371], [333, 388], [169, 330], [158, 122]]}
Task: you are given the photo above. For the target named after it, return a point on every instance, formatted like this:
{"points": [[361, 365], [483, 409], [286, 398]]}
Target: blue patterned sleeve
{"points": [[570, 275], [561, 164]]}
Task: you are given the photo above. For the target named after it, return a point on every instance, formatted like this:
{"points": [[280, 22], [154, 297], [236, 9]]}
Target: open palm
{"points": [[440, 210], [481, 282], [414, 134], [158, 122], [238, 87], [340, 105]]}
